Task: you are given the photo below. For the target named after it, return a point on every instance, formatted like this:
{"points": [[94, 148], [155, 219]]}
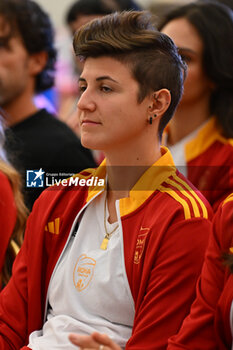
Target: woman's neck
{"points": [[125, 168], [126, 162]]}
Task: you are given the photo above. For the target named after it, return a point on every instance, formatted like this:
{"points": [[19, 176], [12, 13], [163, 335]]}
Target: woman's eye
{"points": [[105, 89], [185, 58], [82, 89]]}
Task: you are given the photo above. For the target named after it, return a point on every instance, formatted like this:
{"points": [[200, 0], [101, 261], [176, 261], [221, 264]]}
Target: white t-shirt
{"points": [[89, 289], [178, 150]]}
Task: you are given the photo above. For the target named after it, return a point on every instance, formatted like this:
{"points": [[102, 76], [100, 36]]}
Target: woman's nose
{"points": [[86, 101]]}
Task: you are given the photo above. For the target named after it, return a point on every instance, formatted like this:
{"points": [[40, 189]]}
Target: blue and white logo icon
{"points": [[35, 178]]}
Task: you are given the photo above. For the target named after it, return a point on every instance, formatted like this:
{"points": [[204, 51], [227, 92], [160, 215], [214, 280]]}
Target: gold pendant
{"points": [[104, 244]]}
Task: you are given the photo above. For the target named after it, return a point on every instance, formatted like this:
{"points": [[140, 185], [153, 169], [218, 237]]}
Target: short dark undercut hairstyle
{"points": [[131, 38]]}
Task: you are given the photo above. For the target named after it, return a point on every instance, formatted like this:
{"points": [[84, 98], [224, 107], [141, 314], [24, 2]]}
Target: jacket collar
{"points": [[148, 183], [202, 140]]}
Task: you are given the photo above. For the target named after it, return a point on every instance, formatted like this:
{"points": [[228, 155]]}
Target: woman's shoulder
{"points": [[68, 193]]}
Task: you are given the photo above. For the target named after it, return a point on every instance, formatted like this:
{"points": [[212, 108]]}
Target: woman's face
{"points": [[197, 86], [109, 113]]}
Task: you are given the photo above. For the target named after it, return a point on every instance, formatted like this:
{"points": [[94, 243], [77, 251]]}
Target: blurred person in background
{"points": [[35, 139], [13, 212], [210, 322], [200, 134]]}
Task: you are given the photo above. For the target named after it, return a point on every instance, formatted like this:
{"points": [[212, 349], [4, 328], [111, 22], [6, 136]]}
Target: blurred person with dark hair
{"points": [[13, 212], [200, 135], [35, 139], [83, 11], [120, 256]]}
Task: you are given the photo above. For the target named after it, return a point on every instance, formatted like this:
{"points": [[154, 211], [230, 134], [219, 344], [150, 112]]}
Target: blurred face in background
{"points": [[14, 66], [197, 85], [80, 21]]}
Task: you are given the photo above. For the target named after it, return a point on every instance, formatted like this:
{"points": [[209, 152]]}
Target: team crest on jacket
{"points": [[83, 272], [140, 244]]}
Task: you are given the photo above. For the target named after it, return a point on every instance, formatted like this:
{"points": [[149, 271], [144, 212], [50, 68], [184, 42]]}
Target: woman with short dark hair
{"points": [[120, 255]]}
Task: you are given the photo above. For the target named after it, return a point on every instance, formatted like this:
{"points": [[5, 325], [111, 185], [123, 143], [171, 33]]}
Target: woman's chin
{"points": [[90, 144]]}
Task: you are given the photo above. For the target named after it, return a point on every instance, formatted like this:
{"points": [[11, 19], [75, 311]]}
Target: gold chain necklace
{"points": [[104, 244]]}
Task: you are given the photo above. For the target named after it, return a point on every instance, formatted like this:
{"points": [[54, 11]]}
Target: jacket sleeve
{"points": [[198, 328], [13, 305], [170, 288], [7, 216]]}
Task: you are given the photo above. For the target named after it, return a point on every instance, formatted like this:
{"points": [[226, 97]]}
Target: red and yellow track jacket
{"points": [[208, 325], [165, 224], [209, 161]]}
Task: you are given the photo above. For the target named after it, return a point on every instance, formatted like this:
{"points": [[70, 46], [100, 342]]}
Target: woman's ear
{"points": [[160, 101]]}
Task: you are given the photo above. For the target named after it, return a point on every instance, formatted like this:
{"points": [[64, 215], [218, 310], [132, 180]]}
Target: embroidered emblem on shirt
{"points": [[53, 226], [83, 272], [141, 239]]}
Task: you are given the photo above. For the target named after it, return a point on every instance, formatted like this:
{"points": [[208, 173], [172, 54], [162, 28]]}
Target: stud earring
{"points": [[155, 115]]}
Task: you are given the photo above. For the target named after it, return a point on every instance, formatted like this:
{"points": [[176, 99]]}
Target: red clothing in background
{"points": [[208, 325], [7, 216]]}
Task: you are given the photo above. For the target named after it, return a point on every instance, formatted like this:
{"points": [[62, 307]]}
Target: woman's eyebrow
{"points": [[185, 49], [81, 79], [104, 77]]}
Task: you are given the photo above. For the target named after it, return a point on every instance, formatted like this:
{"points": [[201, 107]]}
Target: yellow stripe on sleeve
{"points": [[203, 207], [228, 199], [173, 194], [51, 227], [187, 195], [57, 224]]}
